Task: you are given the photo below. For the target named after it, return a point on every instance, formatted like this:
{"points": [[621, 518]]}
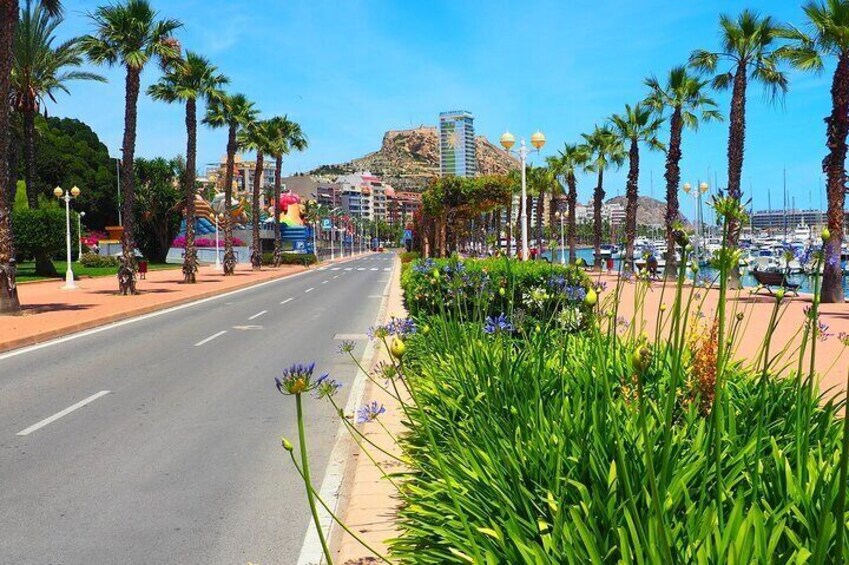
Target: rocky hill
{"points": [[408, 159], [650, 211]]}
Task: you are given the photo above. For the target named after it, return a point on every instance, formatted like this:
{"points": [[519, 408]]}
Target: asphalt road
{"points": [[180, 462]]}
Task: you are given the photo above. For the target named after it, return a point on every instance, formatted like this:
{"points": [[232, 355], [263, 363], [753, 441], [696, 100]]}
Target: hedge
{"points": [[41, 230], [290, 259]]}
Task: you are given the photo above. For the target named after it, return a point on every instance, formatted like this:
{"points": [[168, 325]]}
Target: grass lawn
{"points": [[26, 271]]}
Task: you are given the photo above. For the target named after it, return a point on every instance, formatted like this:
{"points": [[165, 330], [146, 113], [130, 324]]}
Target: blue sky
{"points": [[350, 70]]}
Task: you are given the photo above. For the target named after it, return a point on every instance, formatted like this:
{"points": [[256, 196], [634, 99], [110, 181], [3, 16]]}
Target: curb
{"points": [[144, 310]]}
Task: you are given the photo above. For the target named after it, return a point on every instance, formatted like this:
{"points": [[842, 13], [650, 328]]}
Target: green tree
{"points": [[188, 81], [256, 137], [40, 232], [637, 125], [157, 204], [41, 70], [233, 112], [572, 158], [131, 35], [749, 46], [684, 97], [827, 35], [284, 136], [605, 149]]}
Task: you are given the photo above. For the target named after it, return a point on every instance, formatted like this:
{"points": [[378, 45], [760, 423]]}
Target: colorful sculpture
{"points": [[291, 209]]}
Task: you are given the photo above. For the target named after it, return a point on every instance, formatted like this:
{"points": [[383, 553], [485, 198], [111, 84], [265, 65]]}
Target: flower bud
{"points": [[591, 298], [501, 291], [425, 329], [287, 445], [694, 266], [779, 294], [739, 316], [397, 347], [640, 359], [663, 307], [825, 235]]}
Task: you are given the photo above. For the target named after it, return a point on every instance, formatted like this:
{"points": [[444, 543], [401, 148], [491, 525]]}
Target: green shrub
{"points": [[94, 260], [290, 259], [40, 230], [529, 291], [409, 256]]}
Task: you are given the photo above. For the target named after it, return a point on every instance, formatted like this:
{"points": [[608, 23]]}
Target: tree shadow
{"points": [[29, 309]]}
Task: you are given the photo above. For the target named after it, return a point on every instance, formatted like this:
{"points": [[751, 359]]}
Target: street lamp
{"points": [[697, 195], [67, 195], [218, 219], [507, 142], [80, 217], [559, 215]]}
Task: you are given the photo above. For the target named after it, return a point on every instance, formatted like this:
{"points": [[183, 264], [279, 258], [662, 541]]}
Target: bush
{"points": [[529, 291], [290, 259], [95, 261], [409, 256], [40, 231]]}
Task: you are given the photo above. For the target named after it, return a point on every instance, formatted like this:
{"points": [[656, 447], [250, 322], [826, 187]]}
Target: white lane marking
{"points": [[336, 277], [322, 268], [387, 268], [103, 328], [335, 269], [323, 282], [361, 269], [374, 269], [257, 315], [210, 338], [287, 300], [64, 412], [349, 269], [309, 290]]}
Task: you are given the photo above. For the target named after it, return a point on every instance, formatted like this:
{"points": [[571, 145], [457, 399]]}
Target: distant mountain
{"points": [[408, 159], [650, 211]]}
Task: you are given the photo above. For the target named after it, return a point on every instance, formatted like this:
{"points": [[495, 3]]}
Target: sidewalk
{"points": [[369, 499], [49, 312]]}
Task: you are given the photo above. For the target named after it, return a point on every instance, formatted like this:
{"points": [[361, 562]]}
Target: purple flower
{"points": [[497, 325], [370, 412], [296, 379], [822, 331], [325, 387]]}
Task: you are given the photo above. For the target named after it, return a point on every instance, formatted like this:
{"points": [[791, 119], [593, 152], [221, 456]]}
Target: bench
{"points": [[771, 279]]}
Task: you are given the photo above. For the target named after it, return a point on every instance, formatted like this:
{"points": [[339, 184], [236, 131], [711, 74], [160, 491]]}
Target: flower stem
{"points": [[305, 463]]}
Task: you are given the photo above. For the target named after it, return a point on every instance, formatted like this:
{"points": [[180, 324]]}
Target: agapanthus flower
{"points": [[822, 331], [370, 412], [844, 338], [575, 293], [498, 324], [325, 387], [570, 319], [346, 346], [401, 327], [387, 371], [297, 379]]}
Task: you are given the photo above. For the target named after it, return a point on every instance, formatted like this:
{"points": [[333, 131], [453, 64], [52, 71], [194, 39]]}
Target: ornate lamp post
{"points": [[67, 195], [697, 195], [80, 217], [508, 140], [218, 219], [559, 215]]}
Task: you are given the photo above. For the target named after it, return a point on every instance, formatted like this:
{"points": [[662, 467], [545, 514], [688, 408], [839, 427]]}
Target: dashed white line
{"points": [[210, 338], [374, 269], [349, 269], [336, 277], [324, 282], [64, 412], [361, 269], [287, 300], [309, 290], [335, 269], [387, 268], [258, 314]]}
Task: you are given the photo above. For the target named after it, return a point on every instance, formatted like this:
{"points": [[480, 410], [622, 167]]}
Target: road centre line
{"points": [[257, 315], [324, 282], [63, 413], [309, 290], [210, 338], [287, 300]]}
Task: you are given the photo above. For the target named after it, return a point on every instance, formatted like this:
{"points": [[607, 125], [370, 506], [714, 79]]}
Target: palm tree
{"points": [[129, 34], [285, 135], [189, 80], [9, 9], [639, 124], [683, 94], [827, 35], [256, 137], [39, 71], [748, 44], [573, 157], [605, 149], [235, 112]]}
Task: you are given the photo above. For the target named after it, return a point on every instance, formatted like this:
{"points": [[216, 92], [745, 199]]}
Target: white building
{"points": [[363, 195]]}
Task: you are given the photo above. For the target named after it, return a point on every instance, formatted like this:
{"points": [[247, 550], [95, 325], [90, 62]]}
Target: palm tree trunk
{"points": [[127, 270], [29, 157], [256, 244], [834, 166], [571, 231], [598, 200], [673, 179], [229, 255], [631, 192], [277, 183], [190, 259], [736, 145], [9, 303]]}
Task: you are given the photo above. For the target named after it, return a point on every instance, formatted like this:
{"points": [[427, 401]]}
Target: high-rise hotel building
{"points": [[457, 144]]}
